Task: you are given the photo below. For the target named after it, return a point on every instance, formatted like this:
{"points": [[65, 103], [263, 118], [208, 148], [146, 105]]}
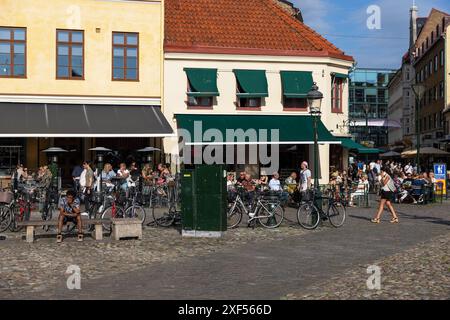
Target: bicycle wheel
{"points": [[336, 214], [109, 213], [163, 216], [137, 212], [17, 217], [5, 217], [234, 215], [273, 215], [308, 216]]}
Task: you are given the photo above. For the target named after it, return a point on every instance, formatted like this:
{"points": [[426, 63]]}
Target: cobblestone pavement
{"points": [[30, 269], [245, 264], [419, 273]]}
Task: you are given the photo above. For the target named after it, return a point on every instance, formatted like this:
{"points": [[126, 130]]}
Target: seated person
{"points": [[363, 186], [147, 174], [250, 187], [263, 181], [69, 211], [124, 174], [230, 181], [291, 182], [275, 184], [134, 175], [241, 177], [417, 186], [107, 174]]}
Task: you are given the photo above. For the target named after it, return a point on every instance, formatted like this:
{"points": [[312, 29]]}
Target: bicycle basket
{"points": [[6, 196]]}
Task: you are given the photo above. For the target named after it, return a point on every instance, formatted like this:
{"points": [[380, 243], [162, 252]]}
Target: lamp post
{"points": [[315, 97], [366, 108], [418, 91]]}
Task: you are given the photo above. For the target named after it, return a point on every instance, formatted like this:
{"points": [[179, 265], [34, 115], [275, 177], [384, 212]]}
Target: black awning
{"points": [[18, 119]]}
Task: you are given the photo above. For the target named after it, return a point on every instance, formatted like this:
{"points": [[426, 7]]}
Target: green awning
{"points": [[340, 75], [203, 82], [296, 84], [348, 143], [366, 150], [254, 129], [253, 83]]}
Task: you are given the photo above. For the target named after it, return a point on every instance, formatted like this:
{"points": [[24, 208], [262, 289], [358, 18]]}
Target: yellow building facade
{"points": [[74, 56], [98, 19]]}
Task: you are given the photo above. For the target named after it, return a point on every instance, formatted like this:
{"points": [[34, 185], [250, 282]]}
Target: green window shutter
{"points": [[253, 83], [203, 82], [296, 84], [340, 75]]}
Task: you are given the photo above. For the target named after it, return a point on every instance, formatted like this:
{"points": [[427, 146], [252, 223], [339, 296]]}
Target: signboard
{"points": [[440, 173]]}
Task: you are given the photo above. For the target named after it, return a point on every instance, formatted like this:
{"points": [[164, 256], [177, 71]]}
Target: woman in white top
{"points": [[387, 194], [362, 188]]}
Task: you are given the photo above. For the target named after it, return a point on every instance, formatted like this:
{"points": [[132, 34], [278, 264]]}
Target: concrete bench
{"points": [[31, 225], [126, 228]]}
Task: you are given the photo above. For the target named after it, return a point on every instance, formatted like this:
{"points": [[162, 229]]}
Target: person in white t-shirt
{"points": [[408, 169], [123, 173], [274, 183], [305, 177]]}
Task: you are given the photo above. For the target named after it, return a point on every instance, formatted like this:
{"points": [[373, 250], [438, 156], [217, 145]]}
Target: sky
{"points": [[344, 23]]}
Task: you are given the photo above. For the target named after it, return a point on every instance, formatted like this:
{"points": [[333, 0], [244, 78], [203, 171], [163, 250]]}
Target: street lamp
{"points": [[418, 91], [314, 98]]}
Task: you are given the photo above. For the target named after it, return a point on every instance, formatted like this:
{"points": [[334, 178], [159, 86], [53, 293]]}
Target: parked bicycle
{"points": [[309, 213], [266, 209], [165, 204]]}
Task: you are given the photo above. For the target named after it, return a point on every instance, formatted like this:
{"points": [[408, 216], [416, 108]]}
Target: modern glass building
{"points": [[369, 92]]}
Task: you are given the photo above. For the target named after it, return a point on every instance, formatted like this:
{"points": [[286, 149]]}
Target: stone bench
{"points": [[126, 228], [31, 225]]}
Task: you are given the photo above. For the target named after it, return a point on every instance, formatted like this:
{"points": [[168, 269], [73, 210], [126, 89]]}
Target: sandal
{"points": [[80, 237], [59, 238], [394, 220], [375, 220]]}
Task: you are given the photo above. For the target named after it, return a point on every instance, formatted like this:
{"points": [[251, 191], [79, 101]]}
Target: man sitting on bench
{"points": [[69, 211]]}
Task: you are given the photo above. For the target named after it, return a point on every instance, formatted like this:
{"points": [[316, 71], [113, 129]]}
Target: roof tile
{"points": [[250, 26]]}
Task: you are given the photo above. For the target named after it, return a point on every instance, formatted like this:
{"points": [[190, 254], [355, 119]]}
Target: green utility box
{"points": [[204, 201]]}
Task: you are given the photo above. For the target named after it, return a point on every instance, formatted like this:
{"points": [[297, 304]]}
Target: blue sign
{"points": [[440, 170]]}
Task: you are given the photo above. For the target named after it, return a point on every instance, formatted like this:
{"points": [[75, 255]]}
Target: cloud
{"points": [[315, 14]]}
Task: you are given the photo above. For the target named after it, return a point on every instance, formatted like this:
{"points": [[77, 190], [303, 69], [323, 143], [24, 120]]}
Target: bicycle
{"points": [[21, 207], [5, 217], [265, 211], [165, 203], [133, 206], [309, 215], [50, 200]]}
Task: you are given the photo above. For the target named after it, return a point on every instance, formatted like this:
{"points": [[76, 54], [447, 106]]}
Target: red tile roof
{"points": [[241, 27]]}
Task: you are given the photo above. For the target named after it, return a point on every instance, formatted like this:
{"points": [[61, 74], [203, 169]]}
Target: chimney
{"points": [[413, 26]]}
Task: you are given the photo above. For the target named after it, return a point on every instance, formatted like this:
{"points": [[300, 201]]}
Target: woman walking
{"points": [[387, 196]]}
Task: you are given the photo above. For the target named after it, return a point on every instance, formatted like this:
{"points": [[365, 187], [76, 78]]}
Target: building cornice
{"points": [[174, 56], [253, 51]]}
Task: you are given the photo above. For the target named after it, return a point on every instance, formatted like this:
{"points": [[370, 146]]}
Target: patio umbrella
{"points": [[429, 151], [149, 149], [390, 154], [100, 149], [54, 150]]}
